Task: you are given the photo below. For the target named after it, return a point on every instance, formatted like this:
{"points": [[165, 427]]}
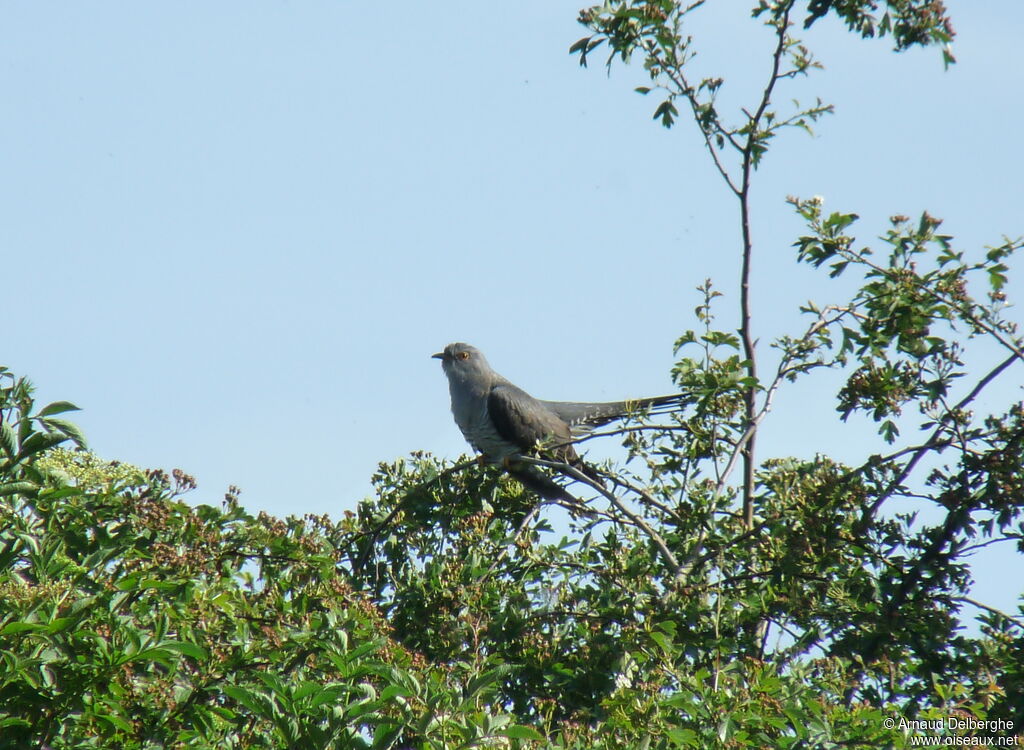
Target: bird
{"points": [[503, 422]]}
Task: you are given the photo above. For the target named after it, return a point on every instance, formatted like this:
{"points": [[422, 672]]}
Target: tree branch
{"points": [[932, 441], [579, 476], [980, 605], [746, 333]]}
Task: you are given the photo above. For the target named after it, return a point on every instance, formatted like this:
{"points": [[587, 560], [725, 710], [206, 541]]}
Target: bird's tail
{"points": [[544, 486], [584, 416], [589, 470], [547, 488]]}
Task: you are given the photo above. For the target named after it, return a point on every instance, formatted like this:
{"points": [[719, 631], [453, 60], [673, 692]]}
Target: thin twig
{"points": [[399, 507], [980, 605], [780, 374], [746, 334], [1013, 346], [522, 527], [982, 545], [645, 496], [639, 522], [869, 512]]}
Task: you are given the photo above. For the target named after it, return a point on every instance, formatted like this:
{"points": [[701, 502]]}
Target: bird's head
{"points": [[463, 362]]}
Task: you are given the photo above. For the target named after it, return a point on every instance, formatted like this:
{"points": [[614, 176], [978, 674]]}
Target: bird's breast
{"points": [[478, 429]]}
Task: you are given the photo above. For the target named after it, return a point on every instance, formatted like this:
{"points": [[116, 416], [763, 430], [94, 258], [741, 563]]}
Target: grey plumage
{"points": [[583, 417], [502, 421]]}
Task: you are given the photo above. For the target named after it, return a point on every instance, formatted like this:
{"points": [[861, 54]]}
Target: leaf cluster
{"points": [[131, 619]]}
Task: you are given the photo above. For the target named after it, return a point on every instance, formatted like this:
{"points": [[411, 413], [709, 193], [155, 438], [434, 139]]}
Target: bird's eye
{"points": [[463, 355]]}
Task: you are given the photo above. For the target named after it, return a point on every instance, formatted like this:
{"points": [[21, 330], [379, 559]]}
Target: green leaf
{"points": [[584, 47], [666, 112], [161, 656], [683, 737], [328, 695], [838, 222], [247, 698], [663, 641], [12, 488], [61, 623], [57, 407], [679, 700], [520, 732], [70, 429], [130, 582], [37, 442], [486, 679], [187, 649], [997, 276], [392, 691], [305, 690], [115, 721], [8, 441], [579, 45], [889, 431]]}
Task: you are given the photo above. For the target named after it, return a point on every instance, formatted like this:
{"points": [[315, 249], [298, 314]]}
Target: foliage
{"points": [[715, 598], [130, 619]]}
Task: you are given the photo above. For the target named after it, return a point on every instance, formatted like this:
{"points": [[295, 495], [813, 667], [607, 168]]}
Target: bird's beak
{"points": [[439, 355]]}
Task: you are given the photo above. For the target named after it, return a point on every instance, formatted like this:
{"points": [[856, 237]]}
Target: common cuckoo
{"points": [[502, 421]]}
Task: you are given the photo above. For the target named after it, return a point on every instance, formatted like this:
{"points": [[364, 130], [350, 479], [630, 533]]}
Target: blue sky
{"points": [[234, 233]]}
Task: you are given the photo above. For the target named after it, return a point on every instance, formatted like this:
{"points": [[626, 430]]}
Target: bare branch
{"points": [[980, 605], [746, 333], [675, 74]]}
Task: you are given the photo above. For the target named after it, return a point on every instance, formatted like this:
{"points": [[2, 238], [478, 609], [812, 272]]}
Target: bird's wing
{"points": [[583, 416], [521, 419]]}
